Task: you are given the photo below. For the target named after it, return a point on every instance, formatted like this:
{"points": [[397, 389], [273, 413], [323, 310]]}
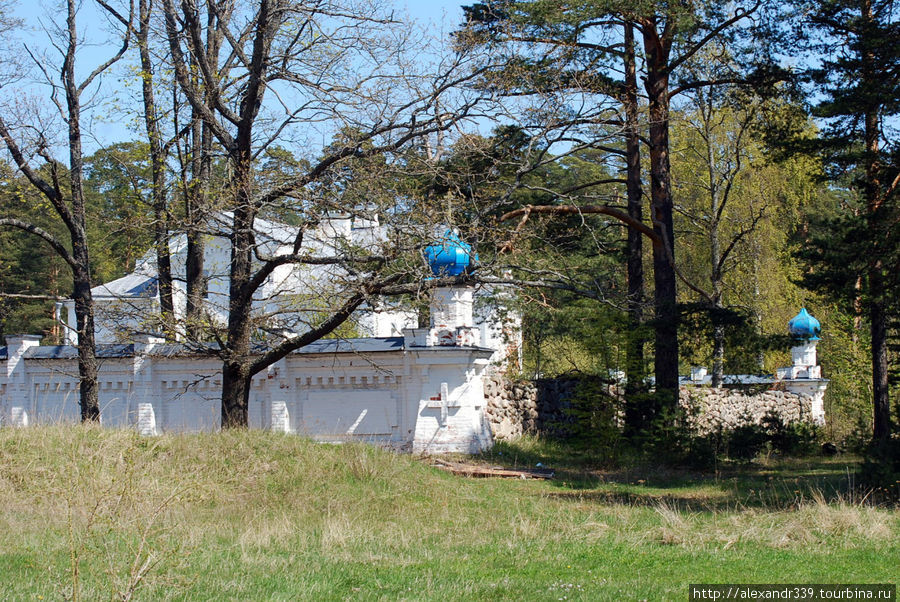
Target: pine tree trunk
{"points": [[874, 200], [666, 319], [634, 351], [880, 391]]}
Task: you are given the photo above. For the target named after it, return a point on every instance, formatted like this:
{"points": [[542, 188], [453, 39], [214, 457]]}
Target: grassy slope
{"points": [[264, 516]]}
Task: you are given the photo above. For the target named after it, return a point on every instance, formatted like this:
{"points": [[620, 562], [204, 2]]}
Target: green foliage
{"points": [[749, 441], [27, 264], [745, 344], [735, 197], [794, 439], [119, 211], [852, 246], [119, 227], [591, 419], [881, 469], [845, 358], [744, 443], [573, 336]]}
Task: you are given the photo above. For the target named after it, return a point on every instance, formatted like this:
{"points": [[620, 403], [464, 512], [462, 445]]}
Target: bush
{"points": [[592, 417], [746, 442], [880, 470], [794, 439]]}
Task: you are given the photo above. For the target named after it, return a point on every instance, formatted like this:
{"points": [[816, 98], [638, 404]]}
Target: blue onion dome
{"points": [[449, 256], [804, 326]]}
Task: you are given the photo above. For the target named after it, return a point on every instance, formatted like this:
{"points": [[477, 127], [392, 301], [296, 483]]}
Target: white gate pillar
{"points": [[18, 401]]}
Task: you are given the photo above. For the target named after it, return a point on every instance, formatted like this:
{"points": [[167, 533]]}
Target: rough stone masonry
{"points": [[517, 407]]}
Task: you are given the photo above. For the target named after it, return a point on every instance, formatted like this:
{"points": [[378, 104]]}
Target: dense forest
{"points": [[664, 185]]}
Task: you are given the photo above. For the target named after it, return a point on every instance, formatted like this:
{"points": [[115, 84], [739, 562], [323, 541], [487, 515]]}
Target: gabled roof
{"points": [[273, 231], [134, 285], [273, 238]]}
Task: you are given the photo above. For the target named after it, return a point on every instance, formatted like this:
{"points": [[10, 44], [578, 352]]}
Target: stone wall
{"points": [[511, 407], [516, 407], [710, 410]]}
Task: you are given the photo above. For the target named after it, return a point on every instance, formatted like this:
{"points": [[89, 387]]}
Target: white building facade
{"points": [[804, 376], [130, 304], [421, 391]]}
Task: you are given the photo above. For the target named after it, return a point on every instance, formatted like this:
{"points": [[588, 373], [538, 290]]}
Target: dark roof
{"points": [[49, 352], [366, 345], [731, 379], [362, 345]]}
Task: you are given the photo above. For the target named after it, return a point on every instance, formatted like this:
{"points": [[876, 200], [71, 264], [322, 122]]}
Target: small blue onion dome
{"points": [[804, 326], [449, 256]]}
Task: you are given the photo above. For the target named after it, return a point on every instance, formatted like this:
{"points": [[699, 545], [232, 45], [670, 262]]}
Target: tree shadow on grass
{"points": [[772, 483]]}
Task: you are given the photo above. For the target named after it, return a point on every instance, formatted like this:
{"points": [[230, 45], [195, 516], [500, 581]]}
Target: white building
{"points": [[420, 391], [802, 378], [416, 392], [130, 304]]}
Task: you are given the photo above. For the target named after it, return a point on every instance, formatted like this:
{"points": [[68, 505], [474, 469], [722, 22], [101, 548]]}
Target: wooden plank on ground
{"points": [[475, 470]]}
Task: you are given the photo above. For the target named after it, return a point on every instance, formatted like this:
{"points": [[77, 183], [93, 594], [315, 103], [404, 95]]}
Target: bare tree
{"points": [[181, 156], [158, 163], [64, 188], [289, 69]]}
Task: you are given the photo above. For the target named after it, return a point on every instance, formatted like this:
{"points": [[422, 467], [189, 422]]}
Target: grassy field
{"points": [[105, 514]]}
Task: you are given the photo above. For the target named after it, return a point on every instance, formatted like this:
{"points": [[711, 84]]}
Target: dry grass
{"points": [[98, 513], [814, 525]]}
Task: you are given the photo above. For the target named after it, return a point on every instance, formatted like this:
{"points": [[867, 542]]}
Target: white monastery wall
{"points": [[389, 392]]}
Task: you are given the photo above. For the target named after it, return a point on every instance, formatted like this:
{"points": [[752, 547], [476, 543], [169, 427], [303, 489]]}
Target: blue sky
{"points": [[440, 17], [436, 10]]}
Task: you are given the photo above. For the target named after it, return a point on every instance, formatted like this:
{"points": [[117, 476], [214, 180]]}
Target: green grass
{"points": [[258, 515]]}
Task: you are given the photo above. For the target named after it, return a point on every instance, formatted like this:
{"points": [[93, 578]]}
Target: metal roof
{"points": [[132, 285], [730, 379], [804, 326], [360, 345], [50, 352], [365, 345]]}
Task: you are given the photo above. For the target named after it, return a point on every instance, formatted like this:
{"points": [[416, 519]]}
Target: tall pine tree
{"points": [[583, 45], [857, 86]]}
